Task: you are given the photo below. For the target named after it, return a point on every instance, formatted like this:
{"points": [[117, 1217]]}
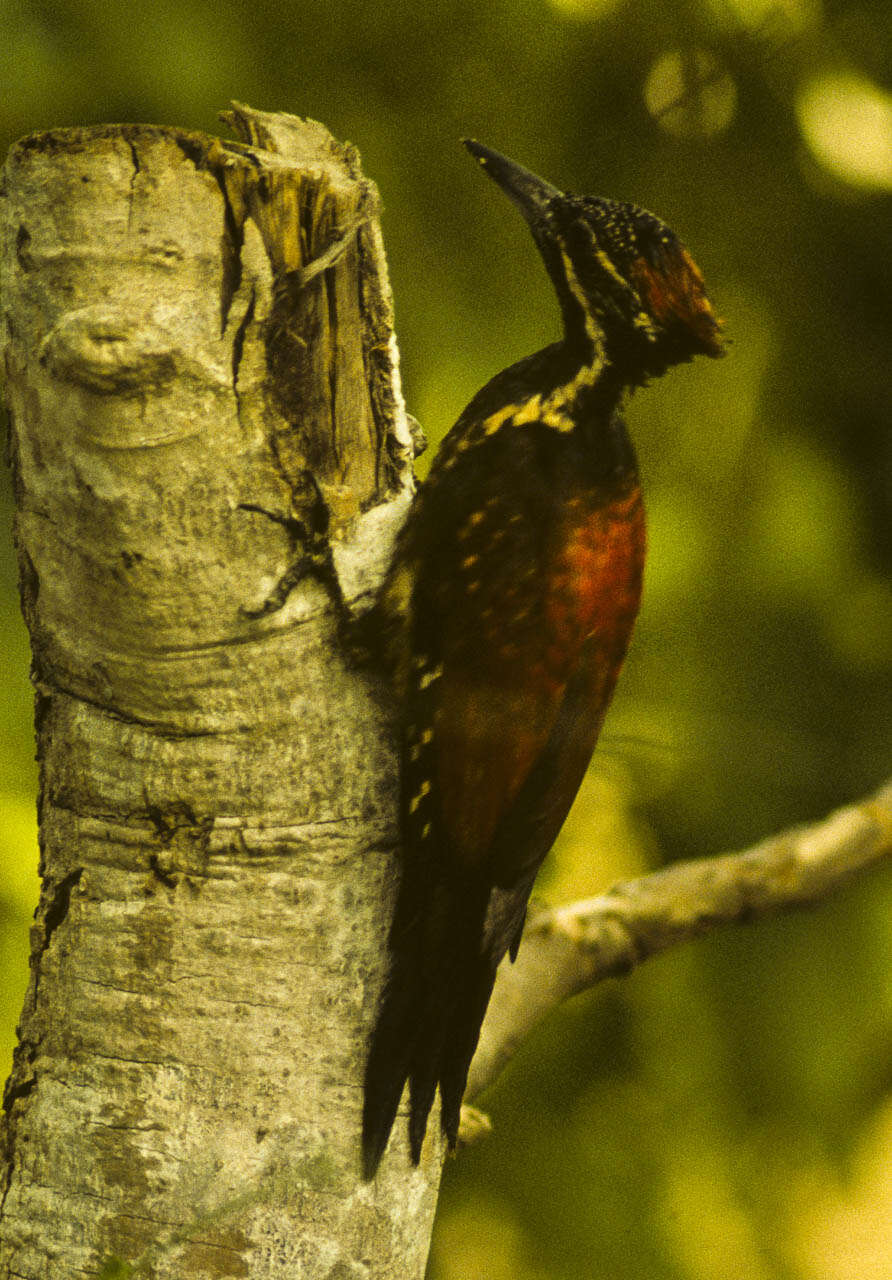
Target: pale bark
{"points": [[571, 948], [201, 369], [199, 363]]}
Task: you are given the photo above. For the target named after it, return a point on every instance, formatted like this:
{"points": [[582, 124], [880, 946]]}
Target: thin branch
{"points": [[566, 950]]}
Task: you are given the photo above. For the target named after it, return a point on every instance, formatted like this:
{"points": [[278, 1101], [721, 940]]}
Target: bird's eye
{"points": [[656, 244]]}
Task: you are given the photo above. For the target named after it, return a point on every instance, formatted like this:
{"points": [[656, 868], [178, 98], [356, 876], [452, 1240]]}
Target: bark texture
{"points": [[203, 385]]}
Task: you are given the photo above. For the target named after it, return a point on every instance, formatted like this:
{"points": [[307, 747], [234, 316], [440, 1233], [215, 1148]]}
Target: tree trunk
{"points": [[203, 387]]}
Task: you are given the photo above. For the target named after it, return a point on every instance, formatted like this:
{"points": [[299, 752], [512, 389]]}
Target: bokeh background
{"points": [[725, 1113]]}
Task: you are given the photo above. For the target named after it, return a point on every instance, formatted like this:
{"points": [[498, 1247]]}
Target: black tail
{"points": [[442, 972]]}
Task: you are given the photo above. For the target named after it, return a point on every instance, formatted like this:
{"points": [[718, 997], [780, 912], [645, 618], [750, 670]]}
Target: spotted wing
{"points": [[520, 629], [482, 698], [518, 618]]}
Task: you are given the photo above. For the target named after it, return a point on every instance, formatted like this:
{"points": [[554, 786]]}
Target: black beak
{"points": [[529, 193]]}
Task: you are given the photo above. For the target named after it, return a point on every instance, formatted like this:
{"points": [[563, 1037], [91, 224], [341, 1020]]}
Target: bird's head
{"points": [[624, 279]]}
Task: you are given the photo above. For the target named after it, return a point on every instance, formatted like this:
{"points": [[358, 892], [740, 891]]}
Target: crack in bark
{"points": [[57, 911], [313, 558], [233, 236], [238, 345], [137, 169], [22, 251], [168, 878], [53, 917], [331, 304], [176, 818], [20, 1089]]}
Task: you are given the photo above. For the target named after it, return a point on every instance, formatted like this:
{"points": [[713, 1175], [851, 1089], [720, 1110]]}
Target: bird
{"points": [[505, 616]]}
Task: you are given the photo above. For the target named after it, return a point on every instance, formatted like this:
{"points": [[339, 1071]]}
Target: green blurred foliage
{"points": [[724, 1113]]}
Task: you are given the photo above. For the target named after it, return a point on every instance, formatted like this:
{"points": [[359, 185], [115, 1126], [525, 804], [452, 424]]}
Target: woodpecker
{"points": [[507, 612]]}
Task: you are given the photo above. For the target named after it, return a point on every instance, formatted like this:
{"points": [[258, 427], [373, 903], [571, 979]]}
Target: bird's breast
{"points": [[593, 587]]}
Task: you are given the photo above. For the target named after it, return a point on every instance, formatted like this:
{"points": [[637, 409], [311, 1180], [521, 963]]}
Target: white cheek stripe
{"points": [[641, 320], [579, 294]]}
